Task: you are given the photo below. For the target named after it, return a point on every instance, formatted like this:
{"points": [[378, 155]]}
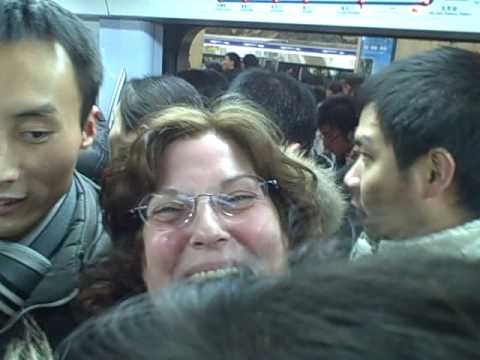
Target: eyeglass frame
{"points": [[265, 185]]}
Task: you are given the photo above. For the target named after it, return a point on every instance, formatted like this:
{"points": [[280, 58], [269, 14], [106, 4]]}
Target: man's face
{"points": [[40, 134], [388, 200], [228, 64], [335, 141]]}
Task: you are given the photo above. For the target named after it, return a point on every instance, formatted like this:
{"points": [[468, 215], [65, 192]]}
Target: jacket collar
{"points": [[460, 241]]}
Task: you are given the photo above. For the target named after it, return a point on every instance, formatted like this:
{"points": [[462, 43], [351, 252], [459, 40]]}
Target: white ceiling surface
{"points": [[85, 7]]}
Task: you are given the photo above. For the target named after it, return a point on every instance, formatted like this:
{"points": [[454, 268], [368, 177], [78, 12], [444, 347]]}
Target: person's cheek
{"points": [[45, 178], [162, 250], [261, 234]]}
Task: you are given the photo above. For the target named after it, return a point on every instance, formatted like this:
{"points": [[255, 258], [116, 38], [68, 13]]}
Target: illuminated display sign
{"points": [[274, 46], [449, 16], [359, 2]]}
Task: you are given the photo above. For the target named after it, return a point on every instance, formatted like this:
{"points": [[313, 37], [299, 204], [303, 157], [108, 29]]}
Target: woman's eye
{"points": [[167, 212], [238, 200], [36, 136], [167, 209]]}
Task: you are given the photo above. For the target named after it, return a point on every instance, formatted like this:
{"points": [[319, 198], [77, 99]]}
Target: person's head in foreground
{"points": [[373, 310]]}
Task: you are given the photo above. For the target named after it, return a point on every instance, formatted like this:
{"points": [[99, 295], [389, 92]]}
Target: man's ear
{"points": [[89, 130], [440, 172]]}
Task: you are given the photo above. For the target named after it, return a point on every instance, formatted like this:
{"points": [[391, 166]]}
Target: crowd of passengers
{"points": [[232, 213]]}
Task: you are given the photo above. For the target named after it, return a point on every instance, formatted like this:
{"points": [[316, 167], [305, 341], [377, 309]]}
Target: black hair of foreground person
{"points": [[46, 21], [396, 309]]}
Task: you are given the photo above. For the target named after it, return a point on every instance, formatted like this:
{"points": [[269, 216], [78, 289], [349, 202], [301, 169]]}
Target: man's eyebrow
{"points": [[44, 110], [363, 140]]}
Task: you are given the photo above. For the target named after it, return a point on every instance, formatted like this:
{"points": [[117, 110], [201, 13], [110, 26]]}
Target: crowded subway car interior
{"points": [[251, 179]]}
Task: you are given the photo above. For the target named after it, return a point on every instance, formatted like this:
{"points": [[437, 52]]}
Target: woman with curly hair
{"points": [[205, 194]]}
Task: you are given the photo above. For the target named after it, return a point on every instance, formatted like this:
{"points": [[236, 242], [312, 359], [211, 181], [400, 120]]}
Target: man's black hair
{"points": [[237, 62], [335, 87], [338, 112], [209, 83], [319, 93], [432, 100], [354, 81], [250, 61], [290, 104], [213, 65], [45, 20], [377, 310], [143, 96]]}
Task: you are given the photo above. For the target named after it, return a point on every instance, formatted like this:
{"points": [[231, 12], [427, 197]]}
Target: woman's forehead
{"points": [[239, 182], [202, 162]]}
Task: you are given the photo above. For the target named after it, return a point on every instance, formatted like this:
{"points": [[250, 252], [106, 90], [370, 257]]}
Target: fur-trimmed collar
{"points": [[328, 195]]}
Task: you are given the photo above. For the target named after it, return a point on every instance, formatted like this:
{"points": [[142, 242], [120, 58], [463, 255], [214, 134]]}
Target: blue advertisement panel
{"points": [[376, 53]]}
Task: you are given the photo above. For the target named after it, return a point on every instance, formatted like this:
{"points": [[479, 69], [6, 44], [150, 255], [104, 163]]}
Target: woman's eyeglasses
{"points": [[171, 207]]}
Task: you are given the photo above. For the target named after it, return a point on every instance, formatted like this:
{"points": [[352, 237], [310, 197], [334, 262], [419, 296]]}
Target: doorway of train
{"points": [[312, 57], [326, 54]]}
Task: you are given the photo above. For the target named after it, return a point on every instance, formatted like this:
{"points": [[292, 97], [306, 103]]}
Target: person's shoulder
{"points": [[86, 182], [96, 240], [471, 243]]}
